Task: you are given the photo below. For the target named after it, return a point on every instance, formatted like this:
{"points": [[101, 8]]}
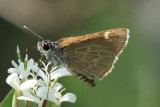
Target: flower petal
{"points": [[30, 64], [24, 74], [13, 81], [69, 97], [31, 96], [28, 84], [25, 98], [60, 73], [42, 75], [58, 86], [48, 94], [41, 83], [14, 70], [35, 68], [14, 64], [21, 65]]}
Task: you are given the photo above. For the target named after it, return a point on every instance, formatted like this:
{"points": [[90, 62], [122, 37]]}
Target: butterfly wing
{"points": [[93, 55], [114, 39], [93, 60]]}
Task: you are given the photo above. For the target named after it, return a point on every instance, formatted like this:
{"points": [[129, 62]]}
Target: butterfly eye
{"points": [[46, 47]]}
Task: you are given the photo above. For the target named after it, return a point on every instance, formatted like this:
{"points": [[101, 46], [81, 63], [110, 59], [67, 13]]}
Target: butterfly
{"points": [[87, 57]]}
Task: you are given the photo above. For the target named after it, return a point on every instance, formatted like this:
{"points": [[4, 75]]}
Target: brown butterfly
{"points": [[87, 57]]}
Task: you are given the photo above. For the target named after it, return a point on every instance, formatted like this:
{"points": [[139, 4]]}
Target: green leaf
{"points": [[32, 104], [16, 102], [11, 100], [54, 105], [7, 102]]}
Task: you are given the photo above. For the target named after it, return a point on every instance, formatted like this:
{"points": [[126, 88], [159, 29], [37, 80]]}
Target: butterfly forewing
{"points": [[93, 55]]}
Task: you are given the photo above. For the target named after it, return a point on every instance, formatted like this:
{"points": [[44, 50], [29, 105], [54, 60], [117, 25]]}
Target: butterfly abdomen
{"points": [[90, 82]]}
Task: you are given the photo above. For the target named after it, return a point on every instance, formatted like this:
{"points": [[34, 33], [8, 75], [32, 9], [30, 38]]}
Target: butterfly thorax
{"points": [[55, 56], [51, 52]]}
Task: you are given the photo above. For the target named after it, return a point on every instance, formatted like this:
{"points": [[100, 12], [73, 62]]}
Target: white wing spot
{"points": [[106, 35]]}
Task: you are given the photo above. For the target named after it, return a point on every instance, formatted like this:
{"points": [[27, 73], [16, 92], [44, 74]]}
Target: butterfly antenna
{"points": [[33, 32]]}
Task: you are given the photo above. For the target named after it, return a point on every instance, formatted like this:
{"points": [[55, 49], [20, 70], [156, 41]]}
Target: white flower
{"points": [[53, 94], [14, 81], [24, 77], [19, 69], [60, 72], [31, 97]]}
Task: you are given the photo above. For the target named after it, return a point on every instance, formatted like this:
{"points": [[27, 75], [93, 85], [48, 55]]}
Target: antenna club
{"points": [[25, 27]]}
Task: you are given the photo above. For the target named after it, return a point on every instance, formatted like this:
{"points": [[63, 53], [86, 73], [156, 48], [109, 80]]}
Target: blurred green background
{"points": [[134, 81]]}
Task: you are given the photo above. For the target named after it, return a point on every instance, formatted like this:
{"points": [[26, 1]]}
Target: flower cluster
{"points": [[38, 84]]}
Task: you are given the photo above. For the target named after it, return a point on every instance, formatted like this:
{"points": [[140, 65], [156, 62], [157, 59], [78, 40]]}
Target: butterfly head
{"points": [[44, 46]]}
